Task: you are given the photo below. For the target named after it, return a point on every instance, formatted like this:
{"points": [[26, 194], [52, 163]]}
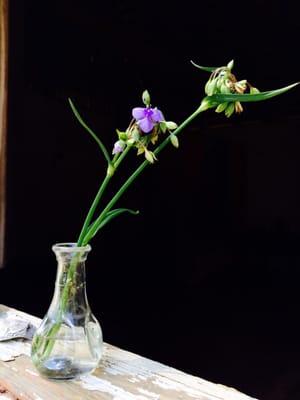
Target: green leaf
{"points": [[223, 97], [89, 130], [108, 217], [122, 135], [207, 69]]}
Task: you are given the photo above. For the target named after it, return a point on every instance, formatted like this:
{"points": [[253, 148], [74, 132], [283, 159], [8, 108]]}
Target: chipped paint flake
{"points": [[151, 395], [133, 380], [36, 397], [14, 326], [29, 371], [91, 382], [12, 349], [168, 384]]}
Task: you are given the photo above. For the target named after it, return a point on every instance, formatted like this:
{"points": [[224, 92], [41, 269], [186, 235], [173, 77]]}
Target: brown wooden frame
{"points": [[3, 116]]}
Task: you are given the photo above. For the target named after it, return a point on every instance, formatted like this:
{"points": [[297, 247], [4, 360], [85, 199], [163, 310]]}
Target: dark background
{"points": [[206, 278]]}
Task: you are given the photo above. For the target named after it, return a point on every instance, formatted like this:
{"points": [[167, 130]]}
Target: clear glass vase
{"points": [[68, 343]]}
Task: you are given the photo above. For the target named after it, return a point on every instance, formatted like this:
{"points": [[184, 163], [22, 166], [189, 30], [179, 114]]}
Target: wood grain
{"points": [[121, 376], [3, 116]]}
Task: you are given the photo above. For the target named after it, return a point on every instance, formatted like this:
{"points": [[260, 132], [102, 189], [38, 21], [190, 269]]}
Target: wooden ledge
{"points": [[121, 376]]}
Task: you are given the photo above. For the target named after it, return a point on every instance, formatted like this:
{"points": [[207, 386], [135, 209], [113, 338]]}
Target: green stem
{"points": [[92, 209], [90, 233], [48, 346], [98, 197], [122, 156], [91, 132]]}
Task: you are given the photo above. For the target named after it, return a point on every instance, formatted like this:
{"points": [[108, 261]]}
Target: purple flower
{"points": [[118, 147], [147, 118]]}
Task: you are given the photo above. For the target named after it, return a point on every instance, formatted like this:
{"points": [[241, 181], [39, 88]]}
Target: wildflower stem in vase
{"points": [[224, 93]]}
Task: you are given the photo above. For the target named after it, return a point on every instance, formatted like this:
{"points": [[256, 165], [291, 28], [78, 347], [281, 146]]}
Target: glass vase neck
{"points": [[69, 250], [70, 286]]}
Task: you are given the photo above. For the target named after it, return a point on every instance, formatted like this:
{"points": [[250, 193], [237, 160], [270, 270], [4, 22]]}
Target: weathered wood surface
{"points": [[121, 376], [3, 106]]}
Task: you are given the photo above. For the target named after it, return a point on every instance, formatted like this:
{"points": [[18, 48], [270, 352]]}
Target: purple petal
{"points": [[146, 125], [157, 115], [138, 113], [118, 148]]}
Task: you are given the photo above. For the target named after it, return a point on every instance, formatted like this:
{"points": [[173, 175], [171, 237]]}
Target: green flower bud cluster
{"points": [[126, 138], [145, 140], [223, 81]]}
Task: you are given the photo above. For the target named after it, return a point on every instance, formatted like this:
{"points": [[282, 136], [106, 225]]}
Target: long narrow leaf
{"points": [[222, 98], [207, 69], [89, 130], [109, 216]]}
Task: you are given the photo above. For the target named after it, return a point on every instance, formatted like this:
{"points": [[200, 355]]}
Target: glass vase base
{"points": [[64, 368]]}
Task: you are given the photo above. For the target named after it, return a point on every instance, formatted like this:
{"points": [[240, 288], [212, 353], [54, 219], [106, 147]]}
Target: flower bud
{"points": [[146, 98], [206, 86], [210, 87], [221, 107], [225, 89], [163, 126], [254, 90], [230, 65], [131, 142], [149, 156], [174, 140], [171, 125], [240, 86], [229, 110], [238, 107], [220, 82], [118, 147], [135, 133]]}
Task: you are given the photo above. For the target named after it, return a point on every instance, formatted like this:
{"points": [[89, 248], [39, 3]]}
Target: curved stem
{"points": [[89, 130], [90, 233]]}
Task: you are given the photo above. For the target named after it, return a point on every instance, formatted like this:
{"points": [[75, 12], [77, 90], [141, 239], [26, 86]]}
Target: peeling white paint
{"points": [[91, 382], [133, 366], [169, 384], [12, 349], [36, 397], [14, 326], [133, 380], [151, 395], [4, 396], [34, 373]]}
